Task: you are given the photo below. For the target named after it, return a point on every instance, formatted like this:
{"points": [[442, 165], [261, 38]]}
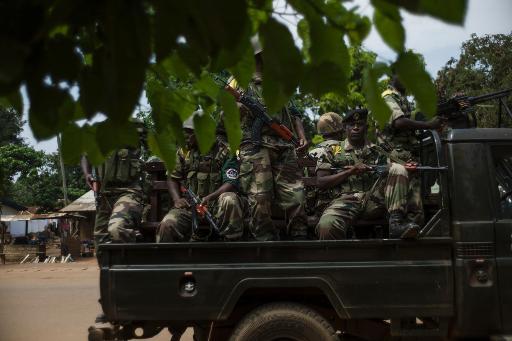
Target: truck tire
{"points": [[283, 321]]}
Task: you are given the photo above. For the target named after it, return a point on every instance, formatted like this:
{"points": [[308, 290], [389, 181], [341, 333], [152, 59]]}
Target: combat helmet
{"points": [[329, 123]]}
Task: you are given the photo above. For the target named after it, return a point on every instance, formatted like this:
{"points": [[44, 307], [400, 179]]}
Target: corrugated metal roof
{"points": [[25, 215], [85, 203]]}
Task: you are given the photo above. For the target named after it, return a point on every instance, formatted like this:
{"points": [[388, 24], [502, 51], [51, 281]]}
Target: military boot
{"points": [[400, 229]]}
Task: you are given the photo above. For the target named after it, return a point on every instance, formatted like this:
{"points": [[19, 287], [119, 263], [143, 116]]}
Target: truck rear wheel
{"points": [[283, 322]]}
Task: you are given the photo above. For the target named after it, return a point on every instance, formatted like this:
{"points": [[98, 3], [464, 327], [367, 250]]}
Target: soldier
{"points": [[269, 173], [400, 132], [214, 178], [120, 199], [359, 191], [330, 127], [400, 136]]}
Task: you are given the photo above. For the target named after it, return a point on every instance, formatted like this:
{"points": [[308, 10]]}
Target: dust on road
{"points": [[53, 302]]}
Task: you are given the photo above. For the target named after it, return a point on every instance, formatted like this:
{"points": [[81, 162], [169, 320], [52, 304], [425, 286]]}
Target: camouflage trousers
{"points": [[271, 178], [229, 216], [117, 214], [398, 191]]}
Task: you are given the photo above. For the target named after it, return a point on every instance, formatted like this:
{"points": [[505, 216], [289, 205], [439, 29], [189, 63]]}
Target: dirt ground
{"points": [[53, 302]]}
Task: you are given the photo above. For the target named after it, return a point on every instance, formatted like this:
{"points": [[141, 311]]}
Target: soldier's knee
{"points": [[397, 169], [228, 199], [329, 227]]}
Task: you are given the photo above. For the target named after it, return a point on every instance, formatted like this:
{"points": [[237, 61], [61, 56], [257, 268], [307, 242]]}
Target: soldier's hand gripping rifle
{"points": [[262, 118], [198, 208], [460, 106]]}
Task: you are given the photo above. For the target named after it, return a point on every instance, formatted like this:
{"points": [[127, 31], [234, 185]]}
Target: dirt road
{"points": [[51, 302]]}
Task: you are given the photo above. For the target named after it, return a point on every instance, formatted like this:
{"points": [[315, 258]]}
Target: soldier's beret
{"points": [[355, 115]]}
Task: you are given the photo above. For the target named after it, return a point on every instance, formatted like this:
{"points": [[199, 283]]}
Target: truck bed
{"points": [[359, 278]]}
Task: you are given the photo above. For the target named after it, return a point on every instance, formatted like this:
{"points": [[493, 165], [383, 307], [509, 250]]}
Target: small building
{"points": [[85, 206]]}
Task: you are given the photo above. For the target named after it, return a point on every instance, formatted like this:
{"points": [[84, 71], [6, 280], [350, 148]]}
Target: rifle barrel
{"points": [[487, 97]]}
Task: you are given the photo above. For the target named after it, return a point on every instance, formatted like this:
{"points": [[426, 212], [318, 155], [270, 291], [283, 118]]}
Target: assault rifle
{"points": [[460, 106], [96, 187], [198, 209], [383, 169], [262, 118]]}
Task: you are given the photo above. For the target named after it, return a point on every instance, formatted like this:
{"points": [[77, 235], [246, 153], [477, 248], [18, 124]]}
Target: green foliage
{"points": [[388, 22], [231, 120], [453, 11], [110, 50], [484, 65], [41, 186], [411, 72], [33, 178], [282, 65], [12, 125], [376, 103]]}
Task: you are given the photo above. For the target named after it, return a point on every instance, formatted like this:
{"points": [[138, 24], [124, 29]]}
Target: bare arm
{"points": [[225, 187], [174, 191], [86, 170], [403, 123], [299, 128]]}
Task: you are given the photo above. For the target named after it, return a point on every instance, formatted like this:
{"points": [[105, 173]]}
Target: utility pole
{"points": [[62, 172]]}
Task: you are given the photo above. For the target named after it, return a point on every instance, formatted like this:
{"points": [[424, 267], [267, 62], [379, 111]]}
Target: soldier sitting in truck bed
{"points": [[213, 178], [360, 192]]}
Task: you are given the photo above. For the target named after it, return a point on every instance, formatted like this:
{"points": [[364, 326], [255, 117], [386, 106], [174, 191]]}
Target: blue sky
{"points": [[437, 41]]}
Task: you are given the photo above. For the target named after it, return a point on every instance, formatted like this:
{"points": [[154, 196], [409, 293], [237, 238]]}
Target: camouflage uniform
{"points": [[204, 174], [120, 202], [270, 175], [315, 197], [405, 146], [365, 196]]}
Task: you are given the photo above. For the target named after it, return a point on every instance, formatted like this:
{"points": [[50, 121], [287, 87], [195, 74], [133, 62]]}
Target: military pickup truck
{"points": [[454, 282]]}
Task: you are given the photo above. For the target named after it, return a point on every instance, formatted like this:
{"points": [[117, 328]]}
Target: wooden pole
{"points": [[62, 172]]}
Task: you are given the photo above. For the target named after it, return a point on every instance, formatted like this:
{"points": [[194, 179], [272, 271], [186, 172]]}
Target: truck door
{"points": [[502, 166]]}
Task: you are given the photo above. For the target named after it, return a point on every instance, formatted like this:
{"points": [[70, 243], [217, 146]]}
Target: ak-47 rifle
{"points": [[199, 209], [96, 187], [262, 118], [460, 106], [383, 169]]}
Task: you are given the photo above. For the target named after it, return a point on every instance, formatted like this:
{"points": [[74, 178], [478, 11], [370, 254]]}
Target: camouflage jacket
{"points": [[204, 174], [123, 169], [400, 107], [344, 154]]}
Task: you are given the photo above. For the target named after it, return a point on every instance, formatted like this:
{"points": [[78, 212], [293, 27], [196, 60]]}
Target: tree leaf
{"points": [[71, 146], [231, 117], [169, 23], [327, 45], [61, 59], [208, 86], [244, 69], [323, 78], [176, 67], [388, 22], [112, 135], [282, 64], [204, 130], [50, 109], [453, 11], [379, 109], [163, 145], [416, 79], [125, 56]]}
